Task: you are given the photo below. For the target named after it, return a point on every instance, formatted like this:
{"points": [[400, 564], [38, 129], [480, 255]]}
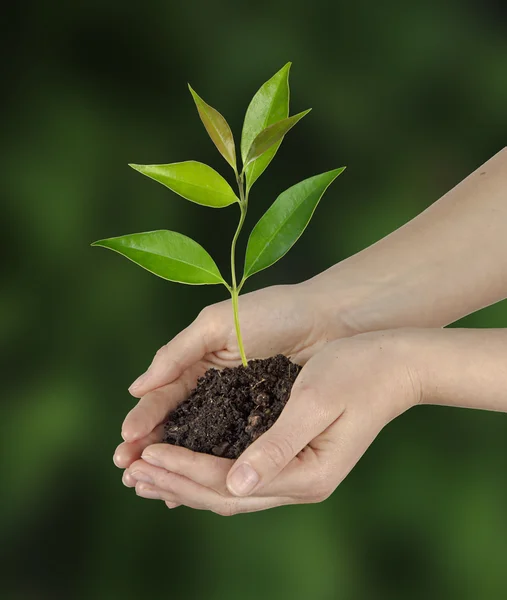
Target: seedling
{"points": [[176, 257]]}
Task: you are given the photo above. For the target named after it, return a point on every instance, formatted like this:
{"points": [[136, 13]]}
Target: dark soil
{"points": [[229, 409]]}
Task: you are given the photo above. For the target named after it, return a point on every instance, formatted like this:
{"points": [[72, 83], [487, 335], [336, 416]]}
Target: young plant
{"points": [[176, 257]]}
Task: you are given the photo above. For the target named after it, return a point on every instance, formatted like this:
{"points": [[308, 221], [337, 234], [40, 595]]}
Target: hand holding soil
{"points": [[295, 322], [342, 399], [333, 415], [449, 261]]}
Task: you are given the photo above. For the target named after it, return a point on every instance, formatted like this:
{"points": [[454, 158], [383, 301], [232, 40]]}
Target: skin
{"points": [[357, 329]]}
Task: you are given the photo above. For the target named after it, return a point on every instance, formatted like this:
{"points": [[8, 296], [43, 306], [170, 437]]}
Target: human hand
{"points": [[341, 400], [294, 320]]}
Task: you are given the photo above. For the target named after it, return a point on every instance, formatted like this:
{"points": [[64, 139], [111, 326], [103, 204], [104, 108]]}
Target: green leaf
{"points": [[271, 135], [269, 105], [168, 254], [285, 220], [217, 127], [194, 181]]}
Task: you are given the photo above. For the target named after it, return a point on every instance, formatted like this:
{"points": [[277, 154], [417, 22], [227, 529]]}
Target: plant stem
{"points": [[234, 290]]}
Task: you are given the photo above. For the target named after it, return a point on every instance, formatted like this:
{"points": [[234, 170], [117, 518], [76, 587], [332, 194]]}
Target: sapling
{"points": [[176, 257]]}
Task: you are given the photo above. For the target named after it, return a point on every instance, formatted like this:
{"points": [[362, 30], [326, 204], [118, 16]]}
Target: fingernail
{"points": [[141, 476], [243, 480], [141, 379], [151, 460]]}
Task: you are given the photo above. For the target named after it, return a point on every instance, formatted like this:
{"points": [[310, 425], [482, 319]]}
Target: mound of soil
{"points": [[229, 409]]}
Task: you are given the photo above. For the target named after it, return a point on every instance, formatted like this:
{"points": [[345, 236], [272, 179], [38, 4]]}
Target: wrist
{"points": [[401, 346], [430, 358], [462, 367], [353, 300]]}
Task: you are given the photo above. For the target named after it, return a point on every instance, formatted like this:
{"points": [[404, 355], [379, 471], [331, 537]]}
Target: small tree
{"points": [[176, 257]]}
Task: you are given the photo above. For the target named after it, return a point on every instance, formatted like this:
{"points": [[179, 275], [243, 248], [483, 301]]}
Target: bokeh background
{"points": [[412, 97]]}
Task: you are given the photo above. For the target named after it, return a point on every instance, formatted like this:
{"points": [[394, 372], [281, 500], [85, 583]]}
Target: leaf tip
{"points": [[197, 99], [336, 172], [136, 167]]}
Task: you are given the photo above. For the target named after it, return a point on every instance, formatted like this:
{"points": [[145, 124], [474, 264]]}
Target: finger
{"points": [[304, 417], [206, 334], [153, 408], [128, 452], [211, 471], [143, 471], [204, 469], [193, 495]]}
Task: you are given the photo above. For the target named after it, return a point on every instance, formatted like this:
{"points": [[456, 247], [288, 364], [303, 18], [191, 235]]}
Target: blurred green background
{"points": [[412, 97]]}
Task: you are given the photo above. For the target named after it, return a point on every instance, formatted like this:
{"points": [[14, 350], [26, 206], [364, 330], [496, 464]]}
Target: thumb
{"points": [[304, 417]]}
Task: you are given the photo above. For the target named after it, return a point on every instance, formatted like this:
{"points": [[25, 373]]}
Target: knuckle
{"points": [[309, 394], [277, 451], [161, 351], [321, 494], [320, 488], [313, 400], [207, 314]]}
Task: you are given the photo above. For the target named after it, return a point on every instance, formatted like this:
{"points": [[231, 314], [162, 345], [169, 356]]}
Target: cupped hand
{"points": [[295, 320], [343, 397]]}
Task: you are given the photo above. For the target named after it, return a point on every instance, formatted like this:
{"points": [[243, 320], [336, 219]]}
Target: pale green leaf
{"points": [[285, 220], [193, 180], [269, 105], [168, 254], [272, 135], [217, 127]]}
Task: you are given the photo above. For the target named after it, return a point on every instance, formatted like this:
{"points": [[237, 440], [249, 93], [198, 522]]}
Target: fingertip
{"points": [[134, 391], [138, 383], [128, 480], [130, 435], [131, 429], [120, 458]]}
